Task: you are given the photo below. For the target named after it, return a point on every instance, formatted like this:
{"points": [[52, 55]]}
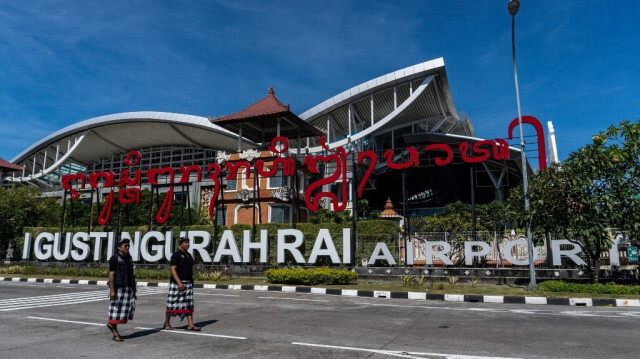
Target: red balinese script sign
{"points": [[475, 152]]}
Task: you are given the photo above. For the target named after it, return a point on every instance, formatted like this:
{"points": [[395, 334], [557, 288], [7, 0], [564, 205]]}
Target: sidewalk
{"points": [[503, 299]]}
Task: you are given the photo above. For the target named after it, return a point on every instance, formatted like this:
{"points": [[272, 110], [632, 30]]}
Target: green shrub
{"points": [[209, 276], [608, 288], [312, 276]]}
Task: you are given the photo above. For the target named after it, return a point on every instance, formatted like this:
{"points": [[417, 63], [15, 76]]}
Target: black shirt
{"points": [[123, 266], [184, 265]]}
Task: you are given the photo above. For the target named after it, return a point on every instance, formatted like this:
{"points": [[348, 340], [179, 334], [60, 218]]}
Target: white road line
{"points": [[25, 285], [193, 333], [65, 299], [304, 300], [516, 311], [401, 354], [67, 321], [218, 295], [143, 328]]}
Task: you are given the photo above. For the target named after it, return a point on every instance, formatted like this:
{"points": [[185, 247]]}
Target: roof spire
{"points": [[271, 92]]}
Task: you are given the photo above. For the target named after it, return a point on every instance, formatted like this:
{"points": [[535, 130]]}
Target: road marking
{"points": [[516, 311], [66, 321], [304, 300], [402, 354], [193, 333], [142, 328], [66, 299], [218, 295]]}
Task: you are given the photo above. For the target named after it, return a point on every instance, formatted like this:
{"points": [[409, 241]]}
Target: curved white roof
{"points": [[101, 137], [416, 94]]}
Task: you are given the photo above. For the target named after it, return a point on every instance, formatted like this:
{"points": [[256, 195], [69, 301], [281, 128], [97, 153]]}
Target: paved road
{"points": [[42, 320]]}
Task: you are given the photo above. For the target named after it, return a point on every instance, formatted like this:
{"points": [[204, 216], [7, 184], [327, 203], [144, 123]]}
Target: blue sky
{"points": [[64, 62]]}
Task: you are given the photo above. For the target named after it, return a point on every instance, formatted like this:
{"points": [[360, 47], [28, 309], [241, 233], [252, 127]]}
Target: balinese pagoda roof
{"points": [[6, 165], [259, 121]]}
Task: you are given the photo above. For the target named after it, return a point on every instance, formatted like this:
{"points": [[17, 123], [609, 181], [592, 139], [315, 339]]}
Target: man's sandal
{"points": [[116, 337], [167, 326], [194, 329]]}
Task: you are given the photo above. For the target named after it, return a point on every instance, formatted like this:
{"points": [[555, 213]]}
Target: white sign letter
{"points": [[43, 251], [80, 251], [381, 252], [324, 237], [291, 247], [469, 253], [228, 240], [263, 246], [97, 246], [429, 252], [156, 248], [511, 258], [571, 253], [26, 249], [200, 247]]}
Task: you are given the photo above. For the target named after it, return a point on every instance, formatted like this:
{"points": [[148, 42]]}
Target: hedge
{"points": [[608, 288], [312, 276]]}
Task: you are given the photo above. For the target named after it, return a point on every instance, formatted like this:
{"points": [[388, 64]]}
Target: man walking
{"points": [[122, 289], [180, 297]]}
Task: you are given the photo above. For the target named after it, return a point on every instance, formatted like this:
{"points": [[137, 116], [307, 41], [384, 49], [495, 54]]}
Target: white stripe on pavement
{"points": [[67, 321], [193, 333], [303, 300], [400, 353]]}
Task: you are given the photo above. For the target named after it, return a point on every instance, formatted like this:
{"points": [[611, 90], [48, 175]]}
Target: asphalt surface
{"points": [[42, 320]]}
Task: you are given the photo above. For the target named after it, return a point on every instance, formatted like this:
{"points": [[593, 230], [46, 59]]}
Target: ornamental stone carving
{"points": [[244, 195], [249, 155], [282, 193], [222, 157]]}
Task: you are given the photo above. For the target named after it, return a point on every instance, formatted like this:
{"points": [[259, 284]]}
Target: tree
{"points": [[22, 206], [597, 188]]}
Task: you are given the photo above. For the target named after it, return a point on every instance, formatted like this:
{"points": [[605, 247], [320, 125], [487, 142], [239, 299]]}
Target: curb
{"points": [[501, 299]]}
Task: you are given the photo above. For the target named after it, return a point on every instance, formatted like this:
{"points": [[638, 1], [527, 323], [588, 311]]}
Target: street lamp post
{"points": [[513, 7]]}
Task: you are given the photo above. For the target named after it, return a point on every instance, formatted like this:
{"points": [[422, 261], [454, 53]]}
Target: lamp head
{"points": [[513, 7]]}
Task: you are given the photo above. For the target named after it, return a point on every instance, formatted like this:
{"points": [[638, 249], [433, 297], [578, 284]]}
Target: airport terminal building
{"points": [[387, 117]]}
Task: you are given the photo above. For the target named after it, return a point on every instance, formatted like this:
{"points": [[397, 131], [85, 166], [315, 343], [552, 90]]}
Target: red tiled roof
{"points": [[259, 121], [9, 166], [269, 105]]}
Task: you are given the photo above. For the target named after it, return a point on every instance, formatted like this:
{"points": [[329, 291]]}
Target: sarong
{"points": [[180, 303], [122, 308]]}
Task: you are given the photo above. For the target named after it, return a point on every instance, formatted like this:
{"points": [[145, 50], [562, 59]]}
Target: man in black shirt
{"points": [[122, 289], [180, 297]]}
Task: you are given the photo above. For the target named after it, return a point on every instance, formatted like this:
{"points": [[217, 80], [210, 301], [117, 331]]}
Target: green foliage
{"points": [[323, 215], [453, 280], [312, 276], [599, 288], [209, 276], [596, 188], [406, 280], [419, 281], [412, 280], [20, 206], [473, 282], [456, 217]]}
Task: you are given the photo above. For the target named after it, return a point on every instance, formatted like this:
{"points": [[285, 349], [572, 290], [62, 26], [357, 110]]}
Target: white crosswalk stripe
{"points": [[67, 299]]}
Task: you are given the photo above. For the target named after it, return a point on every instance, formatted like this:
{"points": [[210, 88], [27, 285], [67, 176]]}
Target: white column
{"points": [[395, 97], [349, 120], [371, 110]]}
